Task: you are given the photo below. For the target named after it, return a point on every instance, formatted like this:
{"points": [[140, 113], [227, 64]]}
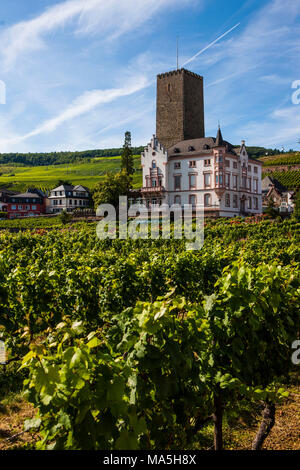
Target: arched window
{"points": [[177, 200], [207, 199], [153, 164]]}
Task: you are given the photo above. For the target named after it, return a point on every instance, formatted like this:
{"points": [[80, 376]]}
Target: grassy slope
{"points": [[46, 177], [282, 159]]}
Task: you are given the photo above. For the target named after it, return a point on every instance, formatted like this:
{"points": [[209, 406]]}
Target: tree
{"points": [[65, 218], [271, 210], [64, 183], [113, 186], [127, 158]]}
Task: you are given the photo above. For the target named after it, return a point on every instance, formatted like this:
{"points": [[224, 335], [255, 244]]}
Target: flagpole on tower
{"points": [[177, 53]]}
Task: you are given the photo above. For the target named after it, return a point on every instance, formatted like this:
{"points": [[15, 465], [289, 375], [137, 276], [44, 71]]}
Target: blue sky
{"points": [[79, 73]]}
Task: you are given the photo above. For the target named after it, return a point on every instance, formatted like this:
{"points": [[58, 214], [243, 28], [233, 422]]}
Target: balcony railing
{"points": [[154, 189]]}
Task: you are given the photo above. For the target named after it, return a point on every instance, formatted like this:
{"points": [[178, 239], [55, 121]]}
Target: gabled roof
{"points": [[238, 150], [27, 195], [63, 187], [79, 187], [268, 182], [7, 192], [70, 187], [39, 192], [203, 145]]}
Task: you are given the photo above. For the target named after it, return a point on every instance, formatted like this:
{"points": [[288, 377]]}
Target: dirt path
{"points": [[284, 436], [286, 433], [12, 417]]}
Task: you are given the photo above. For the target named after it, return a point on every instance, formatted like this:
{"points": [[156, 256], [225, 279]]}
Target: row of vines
{"points": [[292, 159], [290, 179], [135, 344]]}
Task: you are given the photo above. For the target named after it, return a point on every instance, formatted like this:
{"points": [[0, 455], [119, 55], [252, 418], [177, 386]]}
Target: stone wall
{"points": [[180, 107], [270, 169]]}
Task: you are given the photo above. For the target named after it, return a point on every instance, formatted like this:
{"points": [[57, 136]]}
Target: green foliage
{"points": [[255, 152], [289, 159], [297, 206], [126, 343], [290, 179], [114, 185], [31, 223], [65, 217], [127, 164], [81, 391], [270, 210], [11, 379], [84, 172], [58, 158], [63, 182]]}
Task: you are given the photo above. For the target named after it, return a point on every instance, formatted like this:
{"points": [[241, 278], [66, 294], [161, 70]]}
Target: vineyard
{"points": [[138, 344], [19, 178], [289, 179], [289, 159]]}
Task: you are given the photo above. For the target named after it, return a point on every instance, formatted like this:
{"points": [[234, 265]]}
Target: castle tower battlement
{"points": [[179, 107]]}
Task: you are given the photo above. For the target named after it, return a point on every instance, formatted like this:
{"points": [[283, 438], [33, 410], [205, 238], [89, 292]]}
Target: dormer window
{"points": [[176, 150], [191, 148]]}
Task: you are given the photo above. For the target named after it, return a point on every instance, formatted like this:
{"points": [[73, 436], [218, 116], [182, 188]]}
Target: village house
{"points": [[68, 198], [282, 197], [29, 204]]}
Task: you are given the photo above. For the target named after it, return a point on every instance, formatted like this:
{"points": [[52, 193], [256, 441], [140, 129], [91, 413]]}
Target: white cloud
{"points": [[281, 127], [109, 18], [82, 105], [275, 79]]}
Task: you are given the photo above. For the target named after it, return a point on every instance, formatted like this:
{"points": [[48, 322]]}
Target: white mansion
{"points": [[206, 172], [182, 166]]}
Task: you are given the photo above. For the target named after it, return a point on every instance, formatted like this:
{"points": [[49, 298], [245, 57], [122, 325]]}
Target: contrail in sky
{"points": [[211, 44]]}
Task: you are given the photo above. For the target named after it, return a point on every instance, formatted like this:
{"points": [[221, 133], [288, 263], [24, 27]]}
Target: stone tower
{"points": [[179, 107]]}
